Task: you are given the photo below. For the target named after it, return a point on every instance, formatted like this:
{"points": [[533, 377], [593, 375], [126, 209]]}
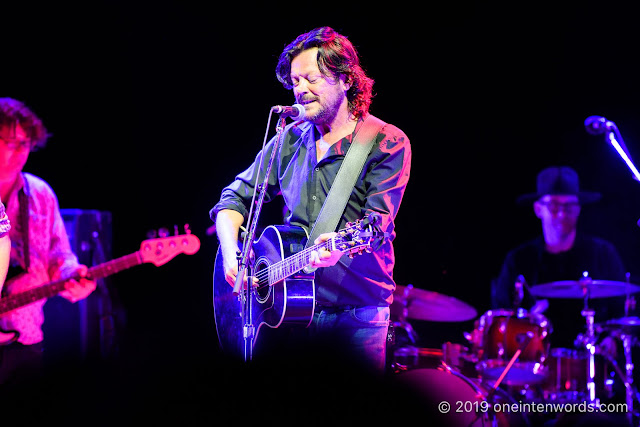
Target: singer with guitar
{"points": [[40, 248], [352, 295]]}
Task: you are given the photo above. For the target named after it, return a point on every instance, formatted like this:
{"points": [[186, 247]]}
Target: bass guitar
{"points": [[285, 293], [156, 251]]}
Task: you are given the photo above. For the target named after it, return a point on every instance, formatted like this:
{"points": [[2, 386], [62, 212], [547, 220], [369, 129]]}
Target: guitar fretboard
{"points": [[289, 266]]}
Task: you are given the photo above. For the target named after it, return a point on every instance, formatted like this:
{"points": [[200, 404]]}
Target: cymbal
{"points": [[421, 304], [582, 288], [625, 322], [626, 325]]}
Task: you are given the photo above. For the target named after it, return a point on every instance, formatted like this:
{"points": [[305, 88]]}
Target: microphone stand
{"points": [[246, 296], [612, 135]]}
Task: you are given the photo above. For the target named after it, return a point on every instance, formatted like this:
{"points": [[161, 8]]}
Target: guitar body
{"points": [[288, 301]]}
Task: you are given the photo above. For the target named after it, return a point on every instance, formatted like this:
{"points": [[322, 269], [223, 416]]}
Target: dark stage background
{"points": [[154, 106]]}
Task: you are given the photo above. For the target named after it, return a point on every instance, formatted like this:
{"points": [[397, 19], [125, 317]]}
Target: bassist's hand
{"points": [[80, 288]]}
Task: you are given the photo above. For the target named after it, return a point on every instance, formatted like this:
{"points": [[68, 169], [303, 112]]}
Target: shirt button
{"points": [[314, 197]]}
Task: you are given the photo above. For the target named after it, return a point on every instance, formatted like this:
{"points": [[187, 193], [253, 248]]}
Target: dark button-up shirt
{"points": [[304, 183]]}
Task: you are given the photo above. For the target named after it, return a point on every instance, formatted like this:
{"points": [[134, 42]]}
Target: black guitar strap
{"points": [[342, 187]]}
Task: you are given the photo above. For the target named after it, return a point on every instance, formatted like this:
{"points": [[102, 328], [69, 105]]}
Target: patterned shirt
{"points": [[304, 183], [5, 224], [50, 255]]}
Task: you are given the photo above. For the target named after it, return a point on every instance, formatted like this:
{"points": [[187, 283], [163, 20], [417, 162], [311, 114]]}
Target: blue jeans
{"points": [[358, 333]]}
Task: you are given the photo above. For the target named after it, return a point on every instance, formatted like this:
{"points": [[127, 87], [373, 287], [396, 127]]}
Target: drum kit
{"points": [[509, 357]]}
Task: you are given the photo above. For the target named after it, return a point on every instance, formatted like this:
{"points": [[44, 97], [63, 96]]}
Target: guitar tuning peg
{"points": [[151, 234], [163, 232], [186, 229]]}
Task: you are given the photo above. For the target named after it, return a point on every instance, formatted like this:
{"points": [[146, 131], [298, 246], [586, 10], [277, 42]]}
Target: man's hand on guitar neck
{"points": [[76, 290], [324, 257]]}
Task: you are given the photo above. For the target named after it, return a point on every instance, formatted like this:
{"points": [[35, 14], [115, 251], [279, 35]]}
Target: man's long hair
{"points": [[336, 57]]}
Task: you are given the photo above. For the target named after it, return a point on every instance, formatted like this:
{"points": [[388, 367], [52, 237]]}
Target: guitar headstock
{"points": [[163, 249], [363, 235]]}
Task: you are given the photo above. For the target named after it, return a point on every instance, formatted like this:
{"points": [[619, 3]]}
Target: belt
{"points": [[331, 308]]}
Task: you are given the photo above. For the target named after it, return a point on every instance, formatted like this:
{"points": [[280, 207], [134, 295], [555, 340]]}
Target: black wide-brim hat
{"points": [[558, 180]]}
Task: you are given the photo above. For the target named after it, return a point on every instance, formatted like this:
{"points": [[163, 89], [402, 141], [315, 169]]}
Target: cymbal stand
{"points": [[628, 380], [589, 315], [630, 391], [402, 321]]}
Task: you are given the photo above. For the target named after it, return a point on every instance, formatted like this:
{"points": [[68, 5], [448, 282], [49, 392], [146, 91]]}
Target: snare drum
{"points": [[500, 333]]}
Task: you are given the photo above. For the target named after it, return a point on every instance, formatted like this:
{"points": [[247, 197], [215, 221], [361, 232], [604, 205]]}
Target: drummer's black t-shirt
{"points": [[595, 256]]}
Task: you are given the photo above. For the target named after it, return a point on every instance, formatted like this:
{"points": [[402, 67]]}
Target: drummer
{"points": [[560, 253]]}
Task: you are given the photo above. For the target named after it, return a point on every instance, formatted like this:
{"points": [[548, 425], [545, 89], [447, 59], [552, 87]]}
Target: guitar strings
{"points": [[279, 267], [263, 275]]}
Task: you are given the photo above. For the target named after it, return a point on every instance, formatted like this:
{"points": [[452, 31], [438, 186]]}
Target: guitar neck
{"points": [[291, 265], [50, 289]]}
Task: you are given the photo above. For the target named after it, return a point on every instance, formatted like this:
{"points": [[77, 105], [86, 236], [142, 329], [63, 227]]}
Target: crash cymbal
{"points": [[583, 288], [421, 304]]}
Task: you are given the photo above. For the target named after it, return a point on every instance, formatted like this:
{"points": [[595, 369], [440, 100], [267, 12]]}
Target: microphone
{"points": [[595, 125], [296, 111]]}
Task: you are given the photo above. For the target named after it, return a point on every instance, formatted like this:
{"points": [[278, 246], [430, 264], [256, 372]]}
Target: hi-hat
{"points": [[421, 304], [625, 321], [584, 288]]}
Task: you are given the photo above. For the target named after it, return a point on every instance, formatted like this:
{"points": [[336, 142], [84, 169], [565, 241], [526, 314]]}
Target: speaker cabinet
{"points": [[86, 329]]}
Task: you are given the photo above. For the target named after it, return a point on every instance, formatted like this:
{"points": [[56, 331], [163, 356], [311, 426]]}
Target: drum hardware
{"points": [[628, 383], [419, 304], [626, 330], [589, 315], [400, 312], [539, 306], [630, 301], [587, 288]]}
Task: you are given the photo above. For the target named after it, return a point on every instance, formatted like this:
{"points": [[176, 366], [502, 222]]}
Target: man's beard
{"points": [[326, 113]]}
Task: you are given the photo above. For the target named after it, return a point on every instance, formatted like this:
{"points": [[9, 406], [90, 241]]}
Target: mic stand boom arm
{"points": [[615, 139], [248, 329]]}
